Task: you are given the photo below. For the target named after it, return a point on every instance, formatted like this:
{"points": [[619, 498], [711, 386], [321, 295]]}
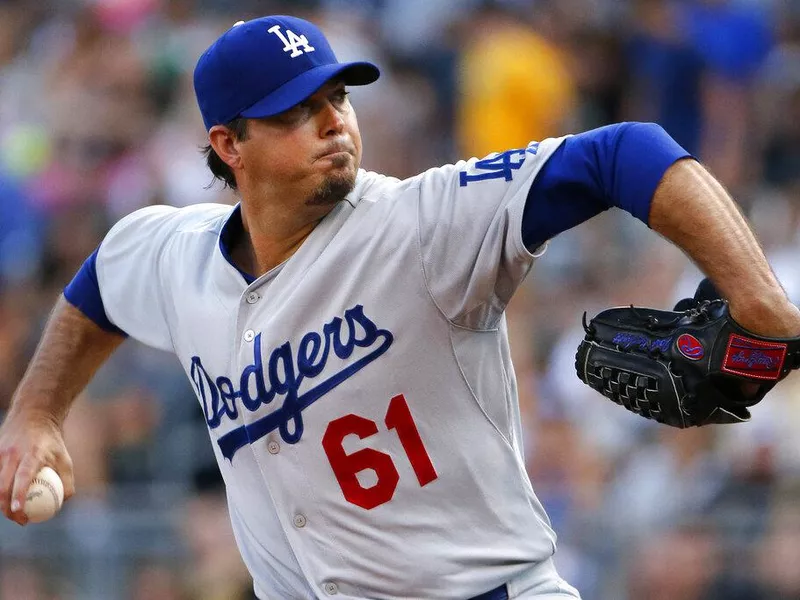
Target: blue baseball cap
{"points": [[263, 67]]}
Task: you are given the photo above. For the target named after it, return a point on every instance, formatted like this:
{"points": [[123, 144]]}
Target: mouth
{"points": [[336, 155], [338, 159], [336, 151]]}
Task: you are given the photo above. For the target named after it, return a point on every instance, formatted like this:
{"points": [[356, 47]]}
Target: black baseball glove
{"points": [[688, 367]]}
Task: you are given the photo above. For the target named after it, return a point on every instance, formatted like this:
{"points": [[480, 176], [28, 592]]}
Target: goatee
{"points": [[333, 189]]}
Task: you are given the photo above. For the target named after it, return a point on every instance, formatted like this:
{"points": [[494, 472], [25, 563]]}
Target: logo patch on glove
{"points": [[690, 347], [754, 358]]}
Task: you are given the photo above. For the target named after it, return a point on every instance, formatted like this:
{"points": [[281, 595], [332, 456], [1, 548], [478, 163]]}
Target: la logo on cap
{"points": [[292, 42]]}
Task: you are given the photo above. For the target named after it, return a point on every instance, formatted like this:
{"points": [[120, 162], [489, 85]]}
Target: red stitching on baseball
{"points": [[50, 487]]}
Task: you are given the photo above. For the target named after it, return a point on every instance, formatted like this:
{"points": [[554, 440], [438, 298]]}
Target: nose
{"points": [[332, 121]]}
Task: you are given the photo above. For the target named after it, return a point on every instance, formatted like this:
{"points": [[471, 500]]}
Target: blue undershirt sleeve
{"points": [[617, 165], [83, 292]]}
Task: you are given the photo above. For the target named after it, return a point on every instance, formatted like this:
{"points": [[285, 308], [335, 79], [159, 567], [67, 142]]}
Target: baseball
{"points": [[45, 496]]}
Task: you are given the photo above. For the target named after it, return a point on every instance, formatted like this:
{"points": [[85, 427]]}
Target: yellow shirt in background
{"points": [[514, 87]]}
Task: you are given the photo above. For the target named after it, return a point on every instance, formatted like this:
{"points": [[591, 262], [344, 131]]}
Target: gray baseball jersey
{"points": [[360, 397]]}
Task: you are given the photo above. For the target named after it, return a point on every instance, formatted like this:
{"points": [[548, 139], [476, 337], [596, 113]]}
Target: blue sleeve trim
{"points": [[83, 292], [617, 165]]}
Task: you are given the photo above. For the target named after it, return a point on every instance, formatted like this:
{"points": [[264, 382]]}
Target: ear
{"points": [[225, 145]]}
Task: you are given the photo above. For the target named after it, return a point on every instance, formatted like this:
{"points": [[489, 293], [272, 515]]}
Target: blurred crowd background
{"points": [[98, 118]]}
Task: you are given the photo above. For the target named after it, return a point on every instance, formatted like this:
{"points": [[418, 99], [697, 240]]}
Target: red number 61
{"points": [[347, 466]]}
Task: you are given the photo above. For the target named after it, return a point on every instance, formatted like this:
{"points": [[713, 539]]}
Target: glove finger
{"points": [[706, 291], [705, 402], [727, 415], [736, 391], [721, 400], [685, 304]]}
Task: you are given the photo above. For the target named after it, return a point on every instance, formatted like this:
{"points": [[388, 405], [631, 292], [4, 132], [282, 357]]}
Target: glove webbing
{"points": [[629, 389]]}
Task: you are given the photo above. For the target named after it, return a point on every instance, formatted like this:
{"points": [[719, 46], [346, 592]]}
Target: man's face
{"points": [[310, 152]]}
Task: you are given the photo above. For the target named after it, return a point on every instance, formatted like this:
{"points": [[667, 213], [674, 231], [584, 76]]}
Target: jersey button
{"points": [[273, 447], [331, 588], [249, 335], [253, 297], [299, 521]]}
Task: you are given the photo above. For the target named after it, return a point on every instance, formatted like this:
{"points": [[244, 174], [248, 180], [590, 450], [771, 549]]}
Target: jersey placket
{"points": [[279, 459]]}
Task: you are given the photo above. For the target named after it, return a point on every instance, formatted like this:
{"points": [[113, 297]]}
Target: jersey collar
{"points": [[233, 228], [231, 231]]}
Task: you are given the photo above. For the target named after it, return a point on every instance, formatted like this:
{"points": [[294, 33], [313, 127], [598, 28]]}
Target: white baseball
{"points": [[45, 496]]}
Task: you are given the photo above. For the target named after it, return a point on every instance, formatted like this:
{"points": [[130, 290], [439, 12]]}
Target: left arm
{"points": [[639, 168], [692, 209]]}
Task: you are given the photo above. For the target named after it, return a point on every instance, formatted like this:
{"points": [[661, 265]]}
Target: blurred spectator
{"points": [[514, 84], [97, 112], [682, 563], [694, 63], [600, 69], [216, 570], [20, 235], [666, 73], [26, 580], [156, 581], [17, 325], [779, 553], [664, 483]]}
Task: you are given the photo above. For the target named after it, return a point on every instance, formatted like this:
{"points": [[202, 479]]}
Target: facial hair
{"points": [[335, 187]]}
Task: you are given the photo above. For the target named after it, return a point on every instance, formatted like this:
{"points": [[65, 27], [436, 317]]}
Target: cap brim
{"points": [[304, 85]]}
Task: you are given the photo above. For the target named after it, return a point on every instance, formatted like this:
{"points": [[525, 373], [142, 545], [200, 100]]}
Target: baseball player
{"points": [[344, 330]]}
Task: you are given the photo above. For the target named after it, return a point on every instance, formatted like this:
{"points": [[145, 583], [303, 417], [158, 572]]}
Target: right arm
{"points": [[71, 350], [117, 291]]}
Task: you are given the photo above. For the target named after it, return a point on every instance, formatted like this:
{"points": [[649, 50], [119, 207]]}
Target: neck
{"points": [[273, 233]]}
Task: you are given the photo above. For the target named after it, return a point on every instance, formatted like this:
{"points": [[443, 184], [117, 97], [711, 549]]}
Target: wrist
{"points": [[29, 412], [770, 317]]}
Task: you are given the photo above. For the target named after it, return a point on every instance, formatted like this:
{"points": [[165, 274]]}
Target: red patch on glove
{"points": [[754, 358]]}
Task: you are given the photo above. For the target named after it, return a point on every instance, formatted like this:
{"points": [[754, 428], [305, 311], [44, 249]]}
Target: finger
{"points": [[26, 471], [8, 466], [65, 470]]}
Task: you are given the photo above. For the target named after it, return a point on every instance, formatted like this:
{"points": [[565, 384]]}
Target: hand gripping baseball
{"points": [[29, 441], [689, 367]]}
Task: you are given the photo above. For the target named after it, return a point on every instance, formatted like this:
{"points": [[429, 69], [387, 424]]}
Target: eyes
{"points": [[339, 97], [306, 109]]}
